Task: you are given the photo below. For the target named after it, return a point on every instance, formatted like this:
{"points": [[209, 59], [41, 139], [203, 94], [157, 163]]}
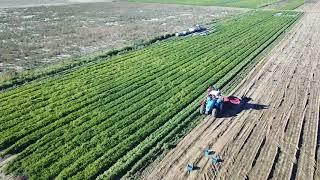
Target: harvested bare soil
{"points": [[276, 135]]}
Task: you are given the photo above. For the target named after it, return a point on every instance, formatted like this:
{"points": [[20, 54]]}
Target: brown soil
{"points": [[276, 135]]}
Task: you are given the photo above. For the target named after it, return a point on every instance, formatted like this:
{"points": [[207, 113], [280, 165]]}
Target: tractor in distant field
{"points": [[214, 103]]}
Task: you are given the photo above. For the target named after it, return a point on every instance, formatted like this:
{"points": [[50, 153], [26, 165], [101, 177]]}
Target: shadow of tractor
{"points": [[233, 109]]}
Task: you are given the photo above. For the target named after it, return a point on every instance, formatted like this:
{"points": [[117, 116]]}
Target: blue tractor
{"points": [[213, 103]]}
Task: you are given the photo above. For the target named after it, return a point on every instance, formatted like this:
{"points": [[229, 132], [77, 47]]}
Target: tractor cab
{"points": [[214, 103]]}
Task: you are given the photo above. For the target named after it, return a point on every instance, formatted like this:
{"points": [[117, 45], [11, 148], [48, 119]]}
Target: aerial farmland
{"points": [[159, 89]]}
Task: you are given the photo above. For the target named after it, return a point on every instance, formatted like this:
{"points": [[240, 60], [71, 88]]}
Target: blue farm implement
{"points": [[217, 106]]}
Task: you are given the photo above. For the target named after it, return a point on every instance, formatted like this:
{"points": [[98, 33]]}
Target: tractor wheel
{"points": [[203, 107], [214, 112], [221, 108], [201, 110]]}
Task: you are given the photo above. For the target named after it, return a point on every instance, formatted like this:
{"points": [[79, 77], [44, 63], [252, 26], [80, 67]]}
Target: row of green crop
{"points": [[26, 122], [120, 161], [54, 90], [17, 79], [85, 140], [15, 92], [138, 159], [39, 105], [112, 66], [17, 102], [118, 151], [18, 114], [70, 86], [141, 123], [128, 56]]}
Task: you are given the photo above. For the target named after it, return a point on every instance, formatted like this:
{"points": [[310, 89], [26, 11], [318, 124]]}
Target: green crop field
{"points": [[107, 120]]}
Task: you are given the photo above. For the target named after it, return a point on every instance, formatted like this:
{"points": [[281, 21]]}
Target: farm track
{"points": [[276, 135]]}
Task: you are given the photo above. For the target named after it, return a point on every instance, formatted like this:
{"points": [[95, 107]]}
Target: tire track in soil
{"points": [[265, 126], [279, 142], [300, 127], [307, 142], [244, 174], [276, 138], [256, 145]]}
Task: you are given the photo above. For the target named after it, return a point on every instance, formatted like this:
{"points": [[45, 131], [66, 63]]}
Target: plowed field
{"points": [[276, 134]]}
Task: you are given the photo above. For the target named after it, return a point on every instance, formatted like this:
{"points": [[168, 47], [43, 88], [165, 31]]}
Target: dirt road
{"points": [[276, 135]]}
